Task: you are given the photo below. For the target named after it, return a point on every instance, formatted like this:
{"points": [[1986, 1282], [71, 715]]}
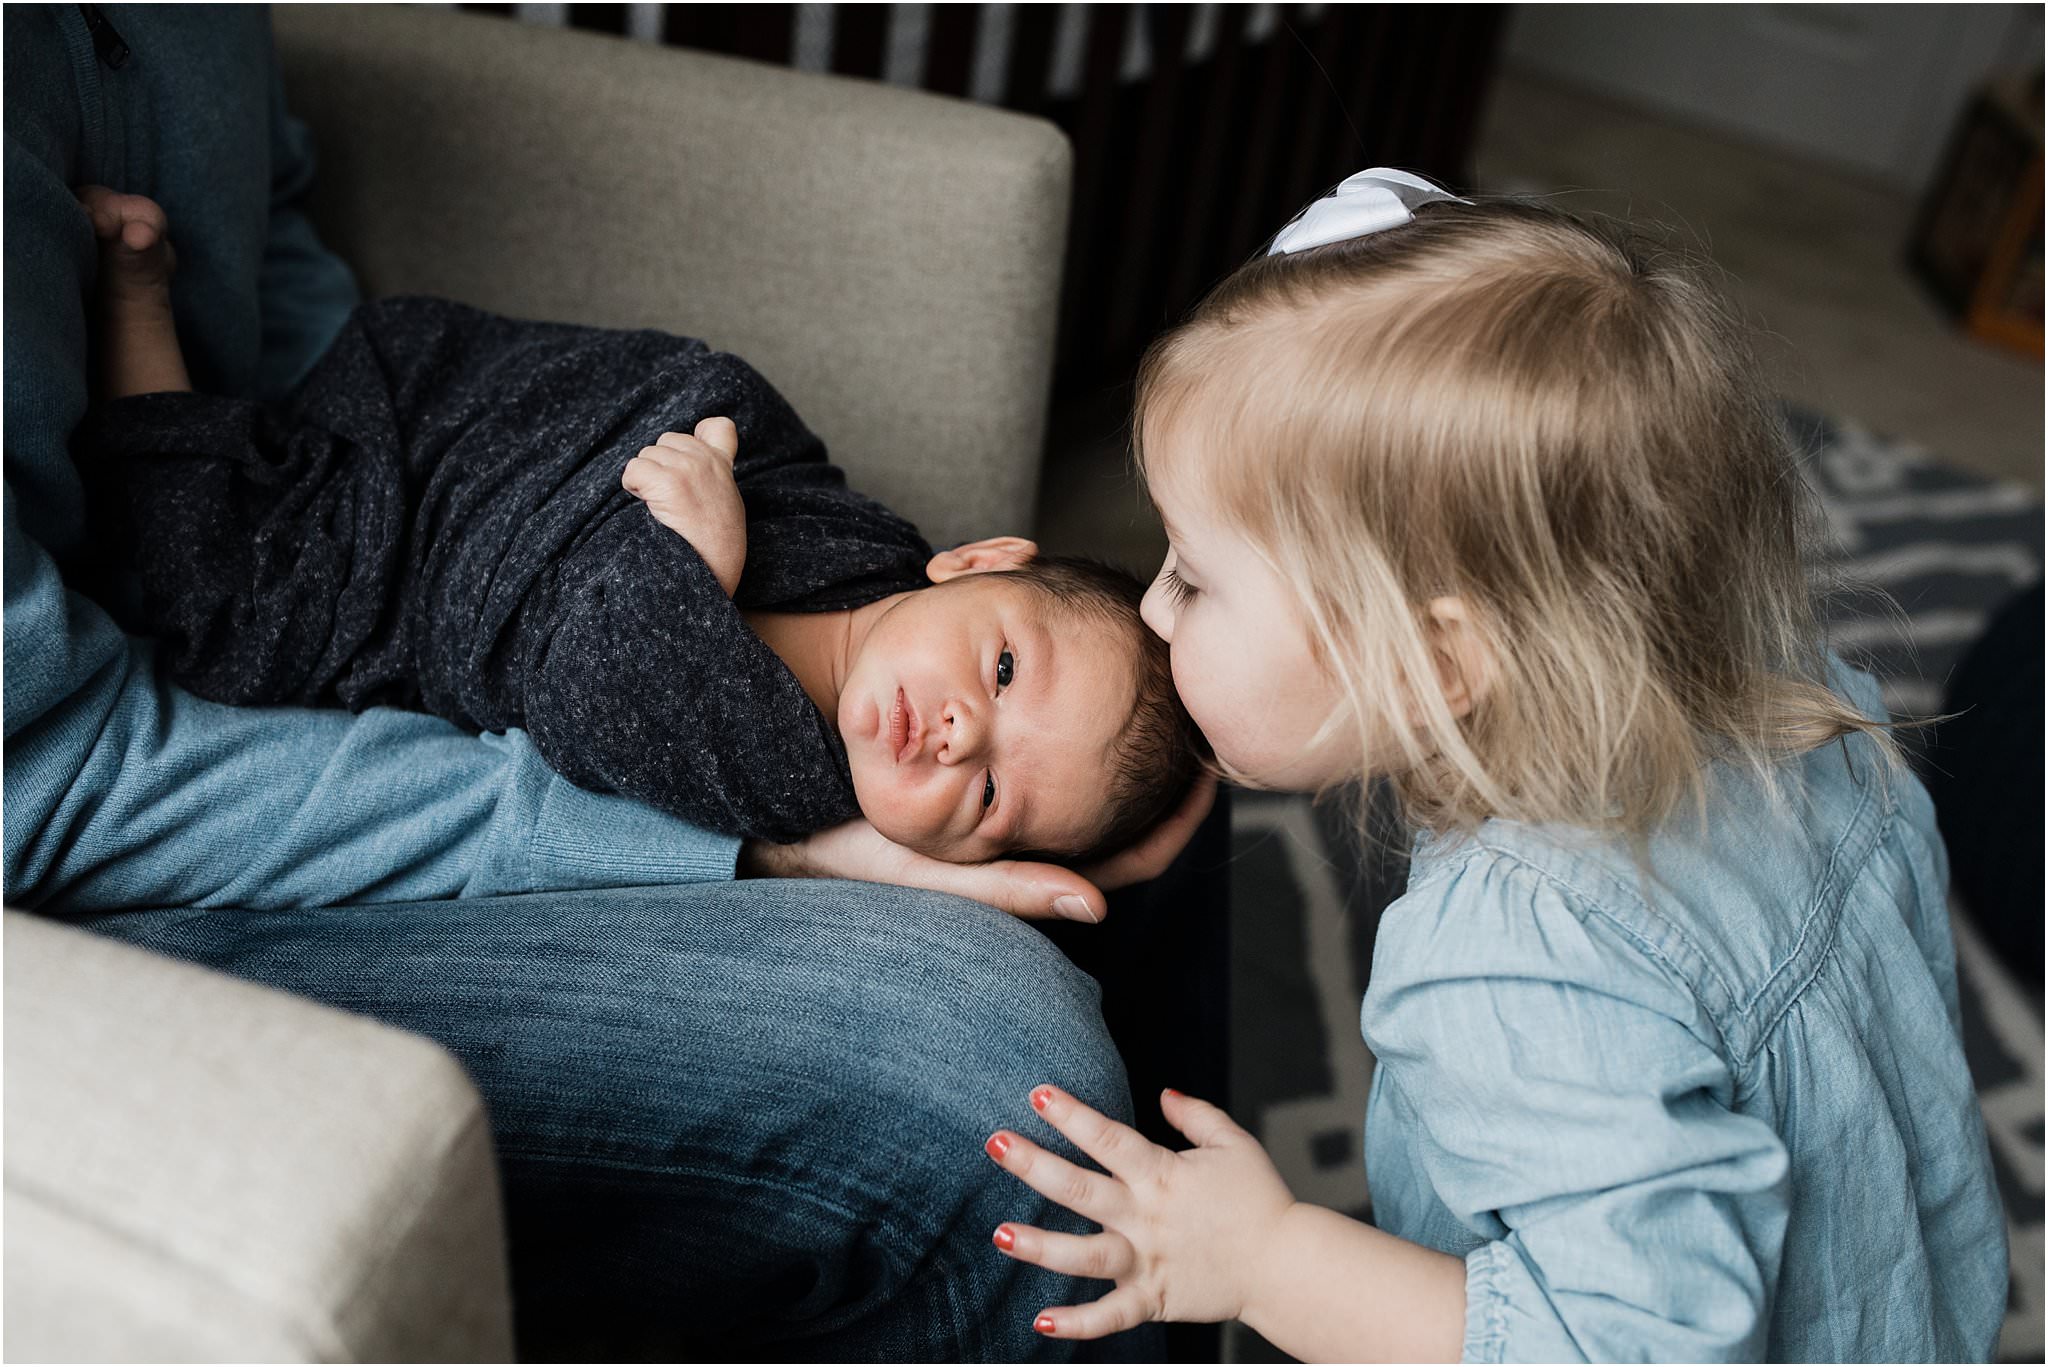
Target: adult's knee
{"points": [[962, 1011], [984, 1002], [752, 1018], [849, 1048], [954, 1012]]}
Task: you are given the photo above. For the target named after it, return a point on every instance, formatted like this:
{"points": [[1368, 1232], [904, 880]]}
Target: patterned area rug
{"points": [[1946, 548]]}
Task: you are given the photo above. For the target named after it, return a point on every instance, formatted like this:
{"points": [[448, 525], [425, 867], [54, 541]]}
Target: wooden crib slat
{"points": [[1155, 203], [597, 18], [766, 33], [859, 33], [949, 59], [1204, 249], [1258, 214], [1092, 136], [1031, 34]]}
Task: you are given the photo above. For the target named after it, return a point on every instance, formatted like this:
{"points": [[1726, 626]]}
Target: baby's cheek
{"points": [[887, 818], [896, 812], [868, 796], [921, 836]]}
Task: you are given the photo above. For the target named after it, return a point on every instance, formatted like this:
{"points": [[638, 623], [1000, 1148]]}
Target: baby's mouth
{"points": [[906, 731]]}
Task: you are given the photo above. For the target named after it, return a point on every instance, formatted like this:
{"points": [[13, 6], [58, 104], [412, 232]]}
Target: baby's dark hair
{"points": [[1158, 752]]}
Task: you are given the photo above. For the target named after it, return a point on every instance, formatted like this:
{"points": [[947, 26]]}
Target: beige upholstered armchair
{"points": [[197, 1168]]}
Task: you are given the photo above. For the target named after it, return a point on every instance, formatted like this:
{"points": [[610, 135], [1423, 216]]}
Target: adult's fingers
{"points": [[1104, 1257], [1203, 1123], [1088, 1194], [857, 850], [1152, 854], [1036, 892], [1123, 1308], [721, 436], [1117, 1147]]}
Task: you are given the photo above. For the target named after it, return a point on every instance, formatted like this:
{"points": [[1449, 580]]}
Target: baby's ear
{"points": [[980, 557]]}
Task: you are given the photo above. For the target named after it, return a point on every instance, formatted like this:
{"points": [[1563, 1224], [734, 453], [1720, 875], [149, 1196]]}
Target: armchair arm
{"points": [[198, 1169], [889, 259]]}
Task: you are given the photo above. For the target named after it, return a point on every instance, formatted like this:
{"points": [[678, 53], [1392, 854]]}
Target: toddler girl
{"points": [[1488, 501]]}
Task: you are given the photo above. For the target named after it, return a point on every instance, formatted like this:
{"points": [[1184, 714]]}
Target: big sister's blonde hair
{"points": [[1560, 424]]}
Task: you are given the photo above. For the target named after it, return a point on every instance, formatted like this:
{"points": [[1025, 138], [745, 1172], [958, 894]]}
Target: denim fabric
{"points": [[732, 1118], [1713, 1111]]}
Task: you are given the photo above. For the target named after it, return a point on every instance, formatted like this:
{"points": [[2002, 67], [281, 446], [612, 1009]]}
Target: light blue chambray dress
{"points": [[1722, 1114]]}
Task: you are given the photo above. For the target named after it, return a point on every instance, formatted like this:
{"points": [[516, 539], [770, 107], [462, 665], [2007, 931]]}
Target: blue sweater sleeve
{"points": [[122, 790]]}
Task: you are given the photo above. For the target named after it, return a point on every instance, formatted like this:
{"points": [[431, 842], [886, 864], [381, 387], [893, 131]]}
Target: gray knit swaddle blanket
{"points": [[433, 520]]}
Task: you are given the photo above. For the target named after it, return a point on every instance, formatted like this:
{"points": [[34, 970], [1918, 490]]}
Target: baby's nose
{"points": [[960, 733]]}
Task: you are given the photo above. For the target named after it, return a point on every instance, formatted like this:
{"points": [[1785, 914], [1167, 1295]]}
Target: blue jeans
{"points": [[740, 1118]]}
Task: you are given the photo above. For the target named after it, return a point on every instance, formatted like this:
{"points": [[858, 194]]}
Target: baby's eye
{"points": [[1006, 670], [988, 790]]}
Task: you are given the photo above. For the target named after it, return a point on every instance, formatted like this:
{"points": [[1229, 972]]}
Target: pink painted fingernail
{"points": [[1043, 1324], [998, 1145], [1042, 1098], [1171, 1092], [1005, 1240]]}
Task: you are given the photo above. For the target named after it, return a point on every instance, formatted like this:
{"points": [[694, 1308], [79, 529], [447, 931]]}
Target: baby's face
{"points": [[977, 717]]}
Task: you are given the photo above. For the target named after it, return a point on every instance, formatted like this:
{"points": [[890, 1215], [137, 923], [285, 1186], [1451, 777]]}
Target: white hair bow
{"points": [[1368, 202]]}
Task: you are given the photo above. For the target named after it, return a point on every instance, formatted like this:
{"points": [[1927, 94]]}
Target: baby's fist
{"points": [[687, 483]]}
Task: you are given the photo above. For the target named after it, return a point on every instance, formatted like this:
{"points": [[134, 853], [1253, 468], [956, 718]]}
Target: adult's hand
{"points": [[858, 851], [1149, 858]]}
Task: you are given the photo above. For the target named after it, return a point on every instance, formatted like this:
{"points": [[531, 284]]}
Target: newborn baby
{"points": [[442, 515]]}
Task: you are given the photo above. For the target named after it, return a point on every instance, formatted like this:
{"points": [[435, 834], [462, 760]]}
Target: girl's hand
{"points": [[687, 483], [858, 851], [1182, 1233]]}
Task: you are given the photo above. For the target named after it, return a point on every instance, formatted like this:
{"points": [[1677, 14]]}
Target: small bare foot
{"points": [[136, 259]]}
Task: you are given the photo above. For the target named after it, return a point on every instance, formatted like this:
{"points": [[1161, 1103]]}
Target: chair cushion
{"points": [[201, 1169]]}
